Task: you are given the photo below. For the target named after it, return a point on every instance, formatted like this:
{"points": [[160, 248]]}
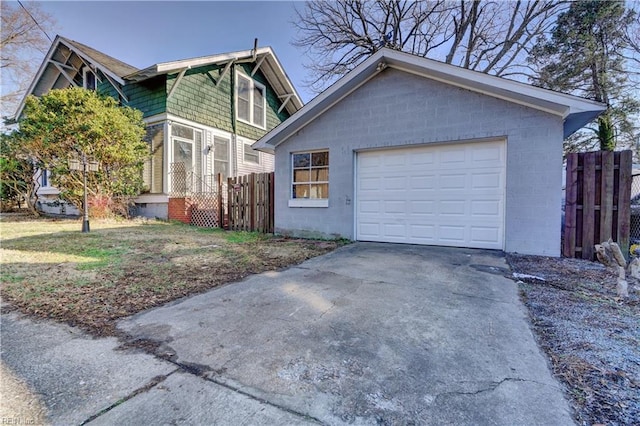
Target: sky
{"points": [[143, 33]]}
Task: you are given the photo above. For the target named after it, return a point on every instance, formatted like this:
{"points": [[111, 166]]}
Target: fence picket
{"points": [[597, 207], [249, 206]]}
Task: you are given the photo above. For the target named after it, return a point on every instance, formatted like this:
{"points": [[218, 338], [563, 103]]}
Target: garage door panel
{"points": [[370, 162], [395, 207], [452, 208], [369, 229], [486, 155], [485, 234], [425, 233], [484, 180], [394, 230], [485, 208], [422, 207], [450, 156], [441, 195], [453, 181], [424, 159], [451, 233], [392, 160], [422, 182], [370, 183], [395, 183], [369, 206]]}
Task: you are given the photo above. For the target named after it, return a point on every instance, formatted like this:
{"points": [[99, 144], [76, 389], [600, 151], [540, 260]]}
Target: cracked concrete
{"points": [[371, 333]]}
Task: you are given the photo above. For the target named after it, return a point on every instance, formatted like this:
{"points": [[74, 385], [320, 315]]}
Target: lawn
{"points": [[52, 270]]}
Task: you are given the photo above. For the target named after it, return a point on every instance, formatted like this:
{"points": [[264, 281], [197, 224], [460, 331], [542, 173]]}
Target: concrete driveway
{"points": [[370, 333]]}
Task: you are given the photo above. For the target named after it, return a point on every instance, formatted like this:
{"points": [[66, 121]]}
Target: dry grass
{"points": [[50, 269], [590, 335]]}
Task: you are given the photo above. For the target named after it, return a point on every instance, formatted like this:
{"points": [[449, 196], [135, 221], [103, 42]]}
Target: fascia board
{"points": [[556, 103], [98, 65], [43, 66], [510, 90], [321, 103]]}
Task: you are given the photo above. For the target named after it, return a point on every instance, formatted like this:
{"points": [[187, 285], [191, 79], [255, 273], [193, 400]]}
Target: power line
{"points": [[34, 20]]}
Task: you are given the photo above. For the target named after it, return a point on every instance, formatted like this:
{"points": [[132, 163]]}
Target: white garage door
{"points": [[450, 195]]}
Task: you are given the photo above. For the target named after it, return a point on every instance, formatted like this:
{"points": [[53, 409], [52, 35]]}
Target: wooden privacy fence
{"points": [[250, 202], [598, 193]]}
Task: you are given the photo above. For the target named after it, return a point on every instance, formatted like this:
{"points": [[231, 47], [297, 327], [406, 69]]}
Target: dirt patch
{"points": [[51, 270], [590, 335]]}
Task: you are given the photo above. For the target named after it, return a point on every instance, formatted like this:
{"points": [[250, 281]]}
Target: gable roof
{"points": [[115, 66], [575, 111], [121, 73], [265, 60], [52, 68]]}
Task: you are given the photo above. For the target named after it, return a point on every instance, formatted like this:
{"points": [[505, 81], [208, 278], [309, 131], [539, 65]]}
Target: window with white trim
{"points": [[250, 101], [310, 177], [88, 79], [221, 156], [251, 155]]}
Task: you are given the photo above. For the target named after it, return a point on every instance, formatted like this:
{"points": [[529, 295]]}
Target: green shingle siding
{"points": [[148, 96], [198, 99], [105, 88]]}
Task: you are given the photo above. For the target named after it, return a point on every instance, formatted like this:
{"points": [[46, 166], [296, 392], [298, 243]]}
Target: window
{"points": [[44, 178], [250, 101], [182, 137], [250, 154], [153, 167], [88, 79], [310, 179], [186, 158], [221, 156]]}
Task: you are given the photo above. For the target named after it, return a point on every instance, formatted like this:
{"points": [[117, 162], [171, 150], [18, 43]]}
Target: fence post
{"points": [[624, 201], [272, 184], [571, 195], [588, 205], [220, 201], [606, 196], [252, 202]]}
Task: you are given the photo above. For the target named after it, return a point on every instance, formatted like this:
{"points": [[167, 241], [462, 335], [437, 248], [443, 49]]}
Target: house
{"points": [[202, 114], [405, 149]]}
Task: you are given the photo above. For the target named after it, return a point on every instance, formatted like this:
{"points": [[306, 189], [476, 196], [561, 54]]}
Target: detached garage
{"points": [[405, 149]]}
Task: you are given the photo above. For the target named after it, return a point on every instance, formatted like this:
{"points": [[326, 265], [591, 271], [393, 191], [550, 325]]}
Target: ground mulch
{"points": [[591, 336]]}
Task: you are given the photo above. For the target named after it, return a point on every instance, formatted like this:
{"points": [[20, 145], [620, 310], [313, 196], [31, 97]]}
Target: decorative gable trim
{"points": [[116, 81]]}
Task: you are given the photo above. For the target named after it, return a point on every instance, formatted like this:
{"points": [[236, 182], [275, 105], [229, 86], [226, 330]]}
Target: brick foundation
{"points": [[180, 209]]}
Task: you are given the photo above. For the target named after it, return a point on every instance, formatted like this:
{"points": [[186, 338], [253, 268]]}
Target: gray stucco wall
{"points": [[395, 109]]}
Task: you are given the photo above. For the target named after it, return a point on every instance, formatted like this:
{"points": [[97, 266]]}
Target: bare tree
{"points": [[23, 43], [487, 36]]}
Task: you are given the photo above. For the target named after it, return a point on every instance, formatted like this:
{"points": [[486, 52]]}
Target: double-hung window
{"points": [[221, 156], [250, 101], [250, 154], [310, 179]]}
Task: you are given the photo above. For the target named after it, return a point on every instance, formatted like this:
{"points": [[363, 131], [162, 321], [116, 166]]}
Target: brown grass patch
{"points": [[52, 270]]}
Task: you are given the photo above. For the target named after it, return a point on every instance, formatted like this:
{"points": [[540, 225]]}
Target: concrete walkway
{"points": [[371, 333]]}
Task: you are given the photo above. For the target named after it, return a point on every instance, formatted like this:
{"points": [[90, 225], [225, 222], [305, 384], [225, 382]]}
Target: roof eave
{"points": [[573, 110], [294, 104]]}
